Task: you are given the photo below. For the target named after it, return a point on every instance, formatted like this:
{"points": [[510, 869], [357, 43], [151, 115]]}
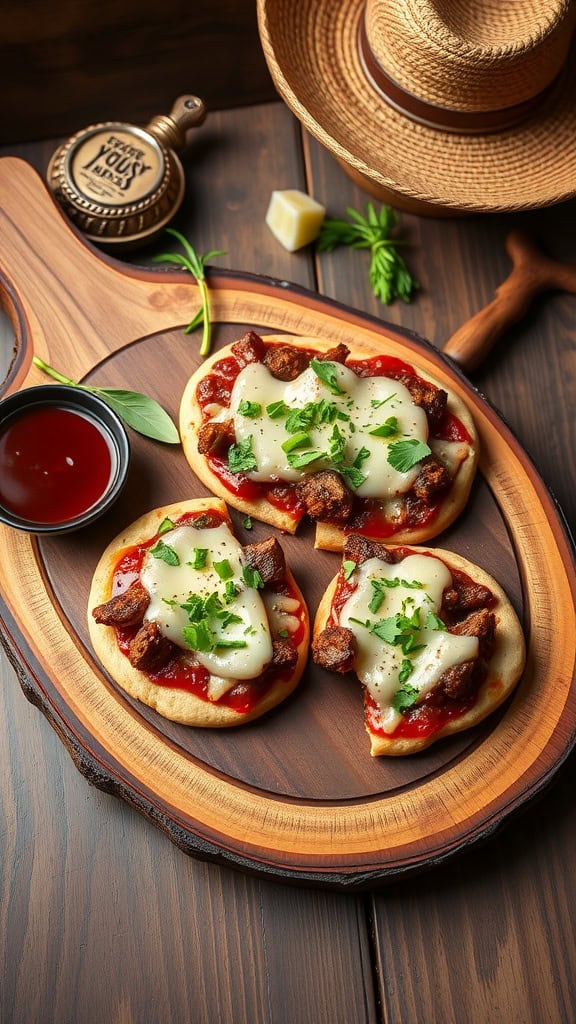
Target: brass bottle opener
{"points": [[120, 184]]}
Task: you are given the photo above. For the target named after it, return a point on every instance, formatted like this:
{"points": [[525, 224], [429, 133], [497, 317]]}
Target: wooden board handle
{"points": [[532, 273]]}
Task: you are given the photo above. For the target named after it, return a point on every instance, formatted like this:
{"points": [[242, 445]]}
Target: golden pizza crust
{"points": [[175, 704], [328, 536], [504, 670]]}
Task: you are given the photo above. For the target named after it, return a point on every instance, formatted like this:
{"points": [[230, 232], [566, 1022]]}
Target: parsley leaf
{"points": [[299, 459], [224, 569], [247, 522], [241, 458], [353, 475], [198, 636], [328, 374], [252, 578], [404, 697], [199, 557], [431, 621], [165, 526], [276, 410], [404, 455], [249, 409], [165, 553], [387, 429]]}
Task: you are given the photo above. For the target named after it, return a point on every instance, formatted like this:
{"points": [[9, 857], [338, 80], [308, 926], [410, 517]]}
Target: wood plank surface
{"points": [[91, 890]]}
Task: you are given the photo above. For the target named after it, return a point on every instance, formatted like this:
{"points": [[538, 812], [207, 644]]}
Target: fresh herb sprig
{"points": [[197, 266], [389, 276], [142, 413]]}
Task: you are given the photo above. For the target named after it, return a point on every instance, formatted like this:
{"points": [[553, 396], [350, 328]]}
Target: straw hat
{"points": [[434, 105]]}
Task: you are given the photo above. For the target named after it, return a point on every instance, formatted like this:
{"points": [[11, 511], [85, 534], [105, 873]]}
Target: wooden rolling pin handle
{"points": [[532, 273]]}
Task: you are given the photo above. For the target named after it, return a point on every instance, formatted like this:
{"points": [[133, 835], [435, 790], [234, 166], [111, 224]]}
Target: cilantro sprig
{"points": [[389, 276]]}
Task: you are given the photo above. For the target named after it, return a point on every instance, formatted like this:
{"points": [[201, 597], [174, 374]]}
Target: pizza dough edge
{"points": [[504, 671], [174, 704]]}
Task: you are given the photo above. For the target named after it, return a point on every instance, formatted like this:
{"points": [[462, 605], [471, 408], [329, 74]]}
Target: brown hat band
{"points": [[468, 122]]}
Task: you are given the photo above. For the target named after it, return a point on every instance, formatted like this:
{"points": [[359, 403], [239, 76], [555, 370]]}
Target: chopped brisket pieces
{"points": [[268, 558], [482, 624], [430, 398], [285, 362], [432, 479], [125, 609], [325, 496], [249, 349], [150, 650], [215, 437], [334, 649], [335, 355], [464, 595], [284, 653], [359, 549], [456, 683]]}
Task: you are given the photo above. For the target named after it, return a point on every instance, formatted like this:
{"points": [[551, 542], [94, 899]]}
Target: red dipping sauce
{"points": [[55, 464]]}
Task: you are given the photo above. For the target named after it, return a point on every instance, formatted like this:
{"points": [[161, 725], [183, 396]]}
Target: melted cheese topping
{"points": [[364, 405], [170, 586], [378, 663]]}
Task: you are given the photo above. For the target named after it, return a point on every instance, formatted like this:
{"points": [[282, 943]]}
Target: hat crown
{"points": [[469, 55]]}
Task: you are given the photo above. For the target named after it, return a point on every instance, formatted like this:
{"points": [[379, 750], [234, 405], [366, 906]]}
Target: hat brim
{"points": [[312, 53]]}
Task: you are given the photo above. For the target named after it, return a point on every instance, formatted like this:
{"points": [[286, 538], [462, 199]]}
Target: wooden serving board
{"points": [[295, 794]]}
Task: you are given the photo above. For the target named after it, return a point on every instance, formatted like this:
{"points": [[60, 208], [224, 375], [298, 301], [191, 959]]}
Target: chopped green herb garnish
{"points": [[328, 374], [406, 670], [353, 475], [348, 567], [405, 697], [241, 458], [247, 522], [229, 643], [361, 457], [230, 591], [276, 410], [199, 557], [386, 429], [283, 633], [431, 621], [165, 553], [249, 409], [165, 526], [300, 440], [297, 460], [252, 578], [376, 403], [198, 636], [300, 419], [337, 445], [404, 455], [224, 569], [227, 618]]}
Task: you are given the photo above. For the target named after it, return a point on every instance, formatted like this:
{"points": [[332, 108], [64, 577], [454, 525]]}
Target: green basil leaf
{"points": [[140, 412]]}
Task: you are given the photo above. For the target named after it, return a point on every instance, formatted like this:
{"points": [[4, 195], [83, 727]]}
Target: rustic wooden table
{"points": [[103, 919]]}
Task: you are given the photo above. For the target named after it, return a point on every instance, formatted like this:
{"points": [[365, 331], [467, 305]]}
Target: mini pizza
{"points": [[286, 427], [432, 638], [187, 620]]}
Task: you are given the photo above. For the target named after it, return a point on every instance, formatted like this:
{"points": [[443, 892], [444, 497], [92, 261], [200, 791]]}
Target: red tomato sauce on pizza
{"points": [[418, 721], [178, 672], [367, 517]]}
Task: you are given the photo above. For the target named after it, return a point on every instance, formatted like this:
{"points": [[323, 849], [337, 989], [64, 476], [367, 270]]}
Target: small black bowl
{"points": [[64, 458]]}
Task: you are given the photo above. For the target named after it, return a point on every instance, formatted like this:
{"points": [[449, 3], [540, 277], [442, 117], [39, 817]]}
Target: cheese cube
{"points": [[294, 218]]}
